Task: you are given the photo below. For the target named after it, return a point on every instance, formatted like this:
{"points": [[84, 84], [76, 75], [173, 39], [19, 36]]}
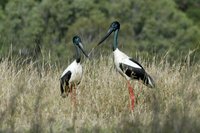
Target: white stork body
{"points": [[131, 69], [72, 75], [120, 57], [76, 73]]}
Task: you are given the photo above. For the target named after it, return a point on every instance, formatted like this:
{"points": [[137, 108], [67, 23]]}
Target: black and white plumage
{"points": [[72, 75], [131, 69], [125, 65]]}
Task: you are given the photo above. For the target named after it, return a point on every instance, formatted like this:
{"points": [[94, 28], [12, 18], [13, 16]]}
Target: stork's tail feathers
{"points": [[149, 82], [62, 84]]}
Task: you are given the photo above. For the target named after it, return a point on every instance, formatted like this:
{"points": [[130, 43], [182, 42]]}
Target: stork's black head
{"points": [[77, 42], [114, 26]]}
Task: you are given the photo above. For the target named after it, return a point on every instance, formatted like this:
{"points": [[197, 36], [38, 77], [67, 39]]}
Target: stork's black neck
{"points": [[115, 44], [78, 55]]}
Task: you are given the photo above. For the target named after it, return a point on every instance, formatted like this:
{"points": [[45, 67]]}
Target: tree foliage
{"points": [[155, 27]]}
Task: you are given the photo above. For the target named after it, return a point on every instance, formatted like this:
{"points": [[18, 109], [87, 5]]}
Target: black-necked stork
{"points": [[125, 65], [72, 75]]}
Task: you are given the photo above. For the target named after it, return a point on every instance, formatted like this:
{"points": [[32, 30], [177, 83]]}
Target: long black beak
{"points": [[106, 36], [81, 48], [102, 40]]}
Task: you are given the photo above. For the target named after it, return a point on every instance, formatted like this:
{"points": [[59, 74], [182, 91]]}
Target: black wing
{"points": [[64, 81], [132, 72], [134, 61], [137, 73]]}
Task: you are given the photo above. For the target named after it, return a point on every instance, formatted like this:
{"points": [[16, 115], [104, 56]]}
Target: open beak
{"points": [[81, 48], [102, 40]]}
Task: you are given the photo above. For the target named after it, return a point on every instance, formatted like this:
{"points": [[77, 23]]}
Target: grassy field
{"points": [[30, 99]]}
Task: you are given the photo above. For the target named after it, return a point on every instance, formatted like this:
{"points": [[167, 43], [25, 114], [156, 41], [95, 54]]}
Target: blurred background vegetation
{"points": [[39, 28], [42, 31]]}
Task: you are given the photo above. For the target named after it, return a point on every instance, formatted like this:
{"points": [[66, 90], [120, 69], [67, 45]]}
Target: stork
{"points": [[72, 75], [125, 65]]}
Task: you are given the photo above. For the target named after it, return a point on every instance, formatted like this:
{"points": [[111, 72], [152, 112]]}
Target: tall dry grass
{"points": [[30, 99]]}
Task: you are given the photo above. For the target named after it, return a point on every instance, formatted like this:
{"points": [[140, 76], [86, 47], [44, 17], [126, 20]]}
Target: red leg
{"points": [[132, 96], [74, 95], [71, 93], [74, 106]]}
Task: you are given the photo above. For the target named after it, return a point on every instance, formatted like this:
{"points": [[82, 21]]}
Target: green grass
{"points": [[30, 99]]}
